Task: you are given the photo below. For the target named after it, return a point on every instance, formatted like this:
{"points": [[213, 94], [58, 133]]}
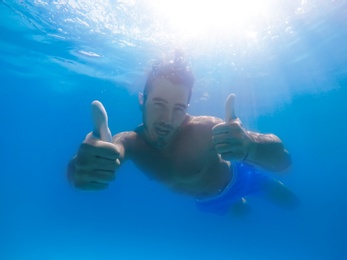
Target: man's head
{"points": [[165, 99], [175, 70]]}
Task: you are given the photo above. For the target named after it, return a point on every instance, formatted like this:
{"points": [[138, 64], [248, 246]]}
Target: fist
{"points": [[95, 164], [230, 139]]}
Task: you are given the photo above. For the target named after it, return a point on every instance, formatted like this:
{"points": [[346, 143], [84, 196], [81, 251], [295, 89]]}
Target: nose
{"points": [[166, 116]]}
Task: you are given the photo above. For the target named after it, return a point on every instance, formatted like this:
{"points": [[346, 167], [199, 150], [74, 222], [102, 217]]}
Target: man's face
{"points": [[164, 111]]}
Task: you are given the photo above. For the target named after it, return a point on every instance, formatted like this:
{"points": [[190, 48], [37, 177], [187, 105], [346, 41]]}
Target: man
{"points": [[200, 156]]}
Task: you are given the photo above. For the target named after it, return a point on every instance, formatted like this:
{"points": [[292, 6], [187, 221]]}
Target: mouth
{"points": [[162, 132]]}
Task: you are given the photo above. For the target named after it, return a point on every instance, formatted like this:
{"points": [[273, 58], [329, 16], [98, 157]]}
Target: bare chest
{"points": [[185, 160]]}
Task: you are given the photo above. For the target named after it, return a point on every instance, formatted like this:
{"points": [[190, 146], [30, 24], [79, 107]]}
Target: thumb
{"points": [[100, 121], [230, 108]]}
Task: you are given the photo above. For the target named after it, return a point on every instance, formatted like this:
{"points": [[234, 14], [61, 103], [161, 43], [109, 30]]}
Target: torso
{"points": [[189, 164]]}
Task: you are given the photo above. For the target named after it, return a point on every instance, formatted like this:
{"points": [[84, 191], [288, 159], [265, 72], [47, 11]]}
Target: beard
{"points": [[159, 135]]}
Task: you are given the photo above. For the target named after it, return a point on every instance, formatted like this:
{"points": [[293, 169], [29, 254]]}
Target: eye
{"points": [[180, 110], [158, 105]]}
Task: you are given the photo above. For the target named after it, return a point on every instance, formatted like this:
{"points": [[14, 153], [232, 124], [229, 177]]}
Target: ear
{"points": [[141, 100]]}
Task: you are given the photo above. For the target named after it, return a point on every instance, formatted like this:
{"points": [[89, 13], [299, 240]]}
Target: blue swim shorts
{"points": [[247, 180]]}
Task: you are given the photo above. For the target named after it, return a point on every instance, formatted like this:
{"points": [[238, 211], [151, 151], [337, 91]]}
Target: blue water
{"points": [[292, 82]]}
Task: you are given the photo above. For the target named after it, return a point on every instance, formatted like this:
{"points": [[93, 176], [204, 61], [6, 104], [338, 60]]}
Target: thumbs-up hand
{"points": [[97, 157], [230, 139]]}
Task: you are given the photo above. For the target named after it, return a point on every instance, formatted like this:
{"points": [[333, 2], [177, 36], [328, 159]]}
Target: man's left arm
{"points": [[267, 151], [234, 143]]}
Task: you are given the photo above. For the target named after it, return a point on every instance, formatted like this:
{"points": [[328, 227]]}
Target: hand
{"points": [[97, 157], [231, 140]]}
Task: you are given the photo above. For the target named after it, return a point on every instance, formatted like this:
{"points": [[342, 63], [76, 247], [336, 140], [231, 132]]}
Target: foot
{"points": [[240, 208]]}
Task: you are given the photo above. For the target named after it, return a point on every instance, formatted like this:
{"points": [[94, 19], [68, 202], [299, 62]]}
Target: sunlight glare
{"points": [[193, 17]]}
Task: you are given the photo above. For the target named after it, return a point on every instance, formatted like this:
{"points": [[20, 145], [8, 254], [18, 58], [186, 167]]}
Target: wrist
{"points": [[251, 146]]}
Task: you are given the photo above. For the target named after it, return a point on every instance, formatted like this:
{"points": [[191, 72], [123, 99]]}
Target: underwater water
{"points": [[288, 69]]}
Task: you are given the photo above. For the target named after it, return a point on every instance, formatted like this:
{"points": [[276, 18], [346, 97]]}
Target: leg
{"points": [[254, 182], [277, 193]]}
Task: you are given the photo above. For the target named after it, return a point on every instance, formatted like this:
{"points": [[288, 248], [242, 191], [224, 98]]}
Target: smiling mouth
{"points": [[162, 132]]}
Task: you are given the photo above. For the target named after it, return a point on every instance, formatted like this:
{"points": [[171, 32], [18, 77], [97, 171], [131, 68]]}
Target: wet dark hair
{"points": [[175, 70]]}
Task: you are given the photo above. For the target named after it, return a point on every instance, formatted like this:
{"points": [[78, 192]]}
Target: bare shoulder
{"points": [[126, 142], [195, 134], [204, 121], [123, 136], [200, 125]]}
